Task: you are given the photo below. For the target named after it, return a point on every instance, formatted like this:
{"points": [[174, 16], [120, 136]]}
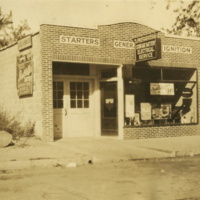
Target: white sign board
{"points": [[145, 110], [124, 44], [79, 40], [176, 49], [130, 105], [162, 88]]}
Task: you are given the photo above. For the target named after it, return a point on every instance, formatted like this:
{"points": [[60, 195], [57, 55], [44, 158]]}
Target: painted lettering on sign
{"points": [[148, 50], [79, 40], [177, 49], [25, 73], [161, 88], [124, 44]]}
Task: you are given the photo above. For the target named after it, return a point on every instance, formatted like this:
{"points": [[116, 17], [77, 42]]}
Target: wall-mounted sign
{"points": [[25, 43], [124, 44], [145, 110], [161, 88], [25, 73], [162, 112], [187, 92], [148, 50], [79, 40], [176, 49]]}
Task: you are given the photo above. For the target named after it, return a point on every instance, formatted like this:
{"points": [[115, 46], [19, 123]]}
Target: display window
{"points": [[161, 96]]}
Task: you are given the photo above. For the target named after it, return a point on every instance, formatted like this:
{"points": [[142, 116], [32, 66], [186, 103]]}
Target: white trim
{"points": [[120, 96], [73, 77]]}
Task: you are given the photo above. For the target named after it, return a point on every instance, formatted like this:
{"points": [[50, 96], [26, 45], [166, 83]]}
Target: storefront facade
{"points": [[116, 80]]}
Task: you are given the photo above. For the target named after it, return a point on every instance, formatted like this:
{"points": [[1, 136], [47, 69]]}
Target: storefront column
{"points": [[97, 108], [120, 94]]}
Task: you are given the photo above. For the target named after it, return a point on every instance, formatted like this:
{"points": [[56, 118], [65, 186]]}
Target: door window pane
{"points": [[79, 93], [73, 104], [86, 103]]}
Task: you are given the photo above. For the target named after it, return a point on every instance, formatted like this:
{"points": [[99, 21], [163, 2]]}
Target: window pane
{"points": [[79, 86], [60, 94], [86, 95], [109, 73], [147, 74], [60, 104], [72, 86], [80, 104], [179, 107], [178, 74], [86, 104], [54, 85], [73, 94], [73, 103], [86, 86], [54, 95], [79, 95], [71, 68], [59, 85]]}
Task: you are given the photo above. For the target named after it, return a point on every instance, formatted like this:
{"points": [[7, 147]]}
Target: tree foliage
{"points": [[8, 32], [187, 21]]}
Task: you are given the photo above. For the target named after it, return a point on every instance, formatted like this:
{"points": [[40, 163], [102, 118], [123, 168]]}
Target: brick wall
{"points": [[159, 132], [25, 108]]}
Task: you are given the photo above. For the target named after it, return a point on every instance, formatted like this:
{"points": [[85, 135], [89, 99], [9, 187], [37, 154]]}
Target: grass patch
{"points": [[14, 126]]}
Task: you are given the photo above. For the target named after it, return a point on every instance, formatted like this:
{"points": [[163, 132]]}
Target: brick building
{"points": [[125, 80]]}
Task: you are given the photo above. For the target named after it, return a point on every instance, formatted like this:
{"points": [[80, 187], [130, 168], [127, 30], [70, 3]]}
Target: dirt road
{"points": [[172, 179]]}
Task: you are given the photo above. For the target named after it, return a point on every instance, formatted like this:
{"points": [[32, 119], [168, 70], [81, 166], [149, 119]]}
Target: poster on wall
{"points": [[162, 112], [130, 105], [145, 109], [161, 88], [25, 73]]}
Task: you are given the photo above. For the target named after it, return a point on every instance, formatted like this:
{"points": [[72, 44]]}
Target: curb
{"points": [[39, 162], [64, 163]]}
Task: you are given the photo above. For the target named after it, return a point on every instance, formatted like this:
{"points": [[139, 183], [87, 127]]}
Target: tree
{"points": [[187, 21], [10, 34]]}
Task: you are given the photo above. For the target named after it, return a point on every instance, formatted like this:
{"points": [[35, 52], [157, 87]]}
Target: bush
{"points": [[12, 125]]}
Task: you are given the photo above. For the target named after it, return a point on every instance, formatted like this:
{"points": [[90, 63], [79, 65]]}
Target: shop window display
{"points": [[161, 96]]}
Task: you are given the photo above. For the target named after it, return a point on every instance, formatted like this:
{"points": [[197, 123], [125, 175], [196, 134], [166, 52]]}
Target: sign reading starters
{"points": [[148, 50], [79, 40]]}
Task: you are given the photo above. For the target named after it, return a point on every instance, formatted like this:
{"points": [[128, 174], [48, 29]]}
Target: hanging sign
{"points": [[148, 50], [25, 73]]}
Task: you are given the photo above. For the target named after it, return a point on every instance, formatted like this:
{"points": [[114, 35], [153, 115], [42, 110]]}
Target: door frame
{"points": [[94, 98], [120, 99]]}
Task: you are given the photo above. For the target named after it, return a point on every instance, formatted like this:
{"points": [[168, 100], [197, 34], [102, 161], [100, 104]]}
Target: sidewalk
{"points": [[72, 152]]}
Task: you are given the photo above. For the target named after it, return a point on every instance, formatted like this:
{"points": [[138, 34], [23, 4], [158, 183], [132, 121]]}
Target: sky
{"points": [[89, 13]]}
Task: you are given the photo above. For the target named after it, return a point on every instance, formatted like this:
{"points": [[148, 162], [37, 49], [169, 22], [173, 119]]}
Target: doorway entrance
{"points": [[109, 104]]}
